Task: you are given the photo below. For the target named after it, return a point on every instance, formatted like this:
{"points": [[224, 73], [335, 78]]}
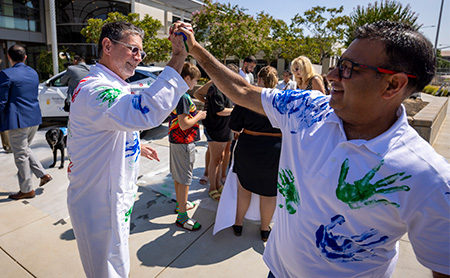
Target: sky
{"points": [[427, 10]]}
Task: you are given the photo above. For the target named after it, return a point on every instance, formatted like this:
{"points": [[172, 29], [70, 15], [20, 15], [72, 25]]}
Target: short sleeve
{"points": [[429, 231], [217, 101], [295, 110], [236, 118], [183, 106]]}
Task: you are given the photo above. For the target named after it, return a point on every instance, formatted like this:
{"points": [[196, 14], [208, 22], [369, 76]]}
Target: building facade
{"points": [[28, 22]]}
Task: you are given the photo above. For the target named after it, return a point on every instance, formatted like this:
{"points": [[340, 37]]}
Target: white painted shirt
{"points": [[343, 205], [282, 85], [104, 148], [248, 76]]}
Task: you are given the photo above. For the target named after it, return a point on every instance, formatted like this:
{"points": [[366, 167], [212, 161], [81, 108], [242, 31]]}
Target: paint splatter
{"points": [[343, 248], [108, 94], [306, 109], [137, 104], [128, 213], [286, 187], [362, 192], [133, 148]]}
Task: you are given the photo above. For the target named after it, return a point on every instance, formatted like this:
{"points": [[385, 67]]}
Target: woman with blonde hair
{"points": [[305, 75], [256, 158]]}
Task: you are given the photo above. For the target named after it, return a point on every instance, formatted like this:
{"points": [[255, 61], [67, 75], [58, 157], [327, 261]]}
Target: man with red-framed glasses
{"points": [[354, 177]]}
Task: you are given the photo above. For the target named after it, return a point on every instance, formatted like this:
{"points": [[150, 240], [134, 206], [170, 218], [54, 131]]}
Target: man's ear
{"points": [[107, 44], [396, 85]]}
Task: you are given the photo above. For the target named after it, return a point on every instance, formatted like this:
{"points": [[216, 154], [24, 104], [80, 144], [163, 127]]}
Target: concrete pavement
{"points": [[36, 237]]}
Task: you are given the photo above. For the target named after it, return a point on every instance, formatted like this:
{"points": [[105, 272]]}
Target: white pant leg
{"points": [[101, 227]]}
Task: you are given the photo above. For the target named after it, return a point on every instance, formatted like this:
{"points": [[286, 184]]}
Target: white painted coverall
{"points": [[104, 148]]}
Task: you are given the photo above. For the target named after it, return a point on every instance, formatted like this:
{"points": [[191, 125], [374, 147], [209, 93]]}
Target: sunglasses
{"points": [[346, 66], [134, 49]]}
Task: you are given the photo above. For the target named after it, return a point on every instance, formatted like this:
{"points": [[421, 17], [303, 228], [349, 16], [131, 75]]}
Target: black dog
{"points": [[57, 140]]}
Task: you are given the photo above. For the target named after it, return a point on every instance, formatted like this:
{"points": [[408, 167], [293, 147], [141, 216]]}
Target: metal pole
{"points": [[438, 27], [54, 39]]}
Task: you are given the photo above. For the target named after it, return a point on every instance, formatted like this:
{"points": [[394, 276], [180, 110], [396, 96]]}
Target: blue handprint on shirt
{"points": [[346, 248], [132, 148], [300, 104]]}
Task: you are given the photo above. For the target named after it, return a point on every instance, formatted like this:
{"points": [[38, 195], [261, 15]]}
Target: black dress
{"points": [[256, 158], [217, 126]]}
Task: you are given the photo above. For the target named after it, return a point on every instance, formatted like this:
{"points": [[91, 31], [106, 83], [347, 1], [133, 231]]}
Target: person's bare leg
{"points": [[267, 208], [216, 156], [181, 192], [243, 202], [225, 162], [206, 174]]}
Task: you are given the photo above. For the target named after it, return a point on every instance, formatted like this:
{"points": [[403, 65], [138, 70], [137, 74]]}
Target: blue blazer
{"points": [[19, 104]]}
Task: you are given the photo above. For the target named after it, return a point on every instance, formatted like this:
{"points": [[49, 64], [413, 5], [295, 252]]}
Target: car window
{"points": [[57, 82], [140, 74]]}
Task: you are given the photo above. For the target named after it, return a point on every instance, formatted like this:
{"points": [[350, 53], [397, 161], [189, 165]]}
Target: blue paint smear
{"points": [[137, 104], [300, 104], [133, 148], [341, 248]]}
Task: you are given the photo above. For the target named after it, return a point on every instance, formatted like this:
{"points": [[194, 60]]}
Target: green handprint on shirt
{"points": [[289, 191], [362, 192], [109, 94]]}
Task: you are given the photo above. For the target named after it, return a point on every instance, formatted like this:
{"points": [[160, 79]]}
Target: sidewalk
{"points": [[36, 237]]}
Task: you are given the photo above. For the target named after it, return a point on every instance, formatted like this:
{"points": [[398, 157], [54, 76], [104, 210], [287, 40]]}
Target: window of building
{"points": [[20, 15]]}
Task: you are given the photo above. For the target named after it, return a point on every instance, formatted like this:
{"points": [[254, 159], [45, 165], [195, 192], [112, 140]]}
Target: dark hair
{"points": [[79, 58], [250, 59], [17, 53], [407, 50], [233, 67], [116, 31], [190, 70], [288, 71]]}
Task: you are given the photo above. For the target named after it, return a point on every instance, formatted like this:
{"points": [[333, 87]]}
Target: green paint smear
{"points": [[108, 94], [287, 188], [362, 193]]}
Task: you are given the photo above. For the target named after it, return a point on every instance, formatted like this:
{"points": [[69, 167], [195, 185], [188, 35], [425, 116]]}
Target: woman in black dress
{"points": [[256, 158]]}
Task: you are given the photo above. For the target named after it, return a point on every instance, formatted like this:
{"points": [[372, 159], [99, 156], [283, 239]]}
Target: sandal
{"points": [[189, 225], [189, 205], [215, 195], [204, 180], [220, 189]]}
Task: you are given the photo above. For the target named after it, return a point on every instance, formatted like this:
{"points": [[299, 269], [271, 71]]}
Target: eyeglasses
{"points": [[134, 49], [346, 66]]}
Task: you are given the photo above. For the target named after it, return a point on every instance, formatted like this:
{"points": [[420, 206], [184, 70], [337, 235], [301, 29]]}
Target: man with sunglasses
{"points": [[354, 177], [104, 147]]}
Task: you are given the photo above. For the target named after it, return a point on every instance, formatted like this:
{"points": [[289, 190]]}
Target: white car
{"points": [[52, 93]]}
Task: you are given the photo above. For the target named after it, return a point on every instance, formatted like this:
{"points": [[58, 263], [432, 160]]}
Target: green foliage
{"points": [[157, 49], [432, 90], [326, 27], [387, 10], [227, 30], [45, 62]]}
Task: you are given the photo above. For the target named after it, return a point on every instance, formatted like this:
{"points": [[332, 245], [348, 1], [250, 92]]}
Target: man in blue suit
{"points": [[21, 116]]}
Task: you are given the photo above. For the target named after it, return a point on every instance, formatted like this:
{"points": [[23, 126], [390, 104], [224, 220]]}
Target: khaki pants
{"points": [[5, 141], [26, 163]]}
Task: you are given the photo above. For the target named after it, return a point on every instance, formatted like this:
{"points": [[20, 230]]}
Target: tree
{"points": [[227, 30], [274, 32], [387, 10], [45, 63], [325, 31], [157, 49]]}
